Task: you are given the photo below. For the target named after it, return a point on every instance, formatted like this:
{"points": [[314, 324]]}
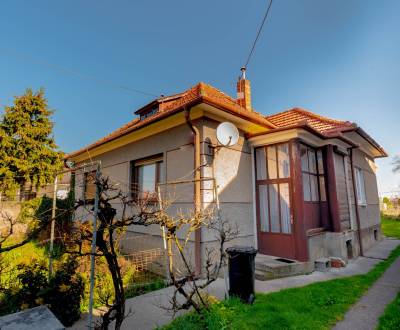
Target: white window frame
{"points": [[360, 186]]}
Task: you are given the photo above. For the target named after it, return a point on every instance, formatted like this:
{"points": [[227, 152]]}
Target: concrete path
{"points": [[148, 311], [364, 315]]}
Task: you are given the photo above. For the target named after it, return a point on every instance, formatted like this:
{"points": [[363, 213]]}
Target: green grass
{"points": [[390, 320], [315, 306], [133, 290], [391, 226]]}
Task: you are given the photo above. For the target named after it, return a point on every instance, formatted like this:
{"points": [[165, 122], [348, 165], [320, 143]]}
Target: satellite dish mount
{"points": [[227, 135]]}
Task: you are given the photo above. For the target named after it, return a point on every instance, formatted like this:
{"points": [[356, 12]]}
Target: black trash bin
{"points": [[241, 272]]}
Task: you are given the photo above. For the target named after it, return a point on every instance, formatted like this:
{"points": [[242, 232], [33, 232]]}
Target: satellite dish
{"points": [[227, 134]]}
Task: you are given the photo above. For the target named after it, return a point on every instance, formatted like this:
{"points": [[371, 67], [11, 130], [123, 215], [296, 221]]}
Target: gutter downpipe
{"points": [[356, 202], [197, 191]]}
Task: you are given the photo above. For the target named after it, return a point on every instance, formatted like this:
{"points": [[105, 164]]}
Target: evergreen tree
{"points": [[28, 153]]}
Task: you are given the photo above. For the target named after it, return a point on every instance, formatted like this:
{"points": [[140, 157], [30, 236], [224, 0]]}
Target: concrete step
{"points": [[322, 264], [270, 267]]}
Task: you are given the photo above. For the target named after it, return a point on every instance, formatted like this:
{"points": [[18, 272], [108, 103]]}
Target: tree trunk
{"points": [[117, 309]]}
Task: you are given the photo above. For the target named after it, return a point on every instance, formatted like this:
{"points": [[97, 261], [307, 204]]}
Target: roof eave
{"points": [[308, 128], [371, 141], [197, 100]]}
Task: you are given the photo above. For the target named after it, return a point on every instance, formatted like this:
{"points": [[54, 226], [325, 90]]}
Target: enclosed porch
{"points": [[304, 199]]}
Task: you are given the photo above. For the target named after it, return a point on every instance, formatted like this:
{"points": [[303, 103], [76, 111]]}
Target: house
{"points": [[299, 185]]}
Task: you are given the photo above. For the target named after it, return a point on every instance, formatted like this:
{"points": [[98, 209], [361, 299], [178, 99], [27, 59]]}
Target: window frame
{"points": [[158, 160], [85, 186], [278, 181], [360, 186], [319, 173]]}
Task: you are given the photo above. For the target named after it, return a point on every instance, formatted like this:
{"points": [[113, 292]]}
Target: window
{"points": [[312, 167], [273, 176], [147, 173], [149, 113], [360, 186], [90, 185]]}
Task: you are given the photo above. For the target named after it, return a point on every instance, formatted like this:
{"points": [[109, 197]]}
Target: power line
{"points": [[60, 68], [258, 34]]}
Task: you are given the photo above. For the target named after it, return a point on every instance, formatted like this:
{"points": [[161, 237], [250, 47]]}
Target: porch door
{"points": [[273, 193]]}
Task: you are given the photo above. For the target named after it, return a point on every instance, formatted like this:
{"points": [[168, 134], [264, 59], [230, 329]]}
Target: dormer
{"points": [[158, 105], [148, 110]]}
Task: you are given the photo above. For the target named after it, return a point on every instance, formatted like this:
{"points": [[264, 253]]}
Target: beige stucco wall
{"points": [[177, 153], [369, 214], [231, 167]]}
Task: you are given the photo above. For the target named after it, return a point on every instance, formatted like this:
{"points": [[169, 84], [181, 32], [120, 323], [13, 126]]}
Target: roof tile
{"points": [[297, 116]]}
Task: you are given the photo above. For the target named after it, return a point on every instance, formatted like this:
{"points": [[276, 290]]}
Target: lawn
{"points": [[315, 306], [391, 226], [391, 318]]}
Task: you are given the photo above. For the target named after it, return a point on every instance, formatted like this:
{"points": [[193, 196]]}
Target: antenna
{"points": [[227, 134]]}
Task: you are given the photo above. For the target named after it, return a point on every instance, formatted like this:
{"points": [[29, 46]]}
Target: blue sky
{"points": [[339, 58]]}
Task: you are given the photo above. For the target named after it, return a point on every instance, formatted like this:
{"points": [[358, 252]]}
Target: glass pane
{"points": [[160, 171], [272, 167], [358, 184], [314, 188], [261, 166], [363, 195], [320, 162], [147, 179], [274, 207], [285, 207], [304, 158], [306, 187], [283, 161], [312, 161], [263, 207], [360, 187], [322, 188]]}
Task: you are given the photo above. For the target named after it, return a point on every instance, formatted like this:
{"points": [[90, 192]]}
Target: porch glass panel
{"points": [[285, 207], [312, 162], [304, 158], [283, 161], [314, 188], [272, 166], [274, 208], [261, 164], [263, 207], [306, 187]]}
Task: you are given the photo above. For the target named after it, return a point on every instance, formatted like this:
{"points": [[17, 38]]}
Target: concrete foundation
{"points": [[269, 267]]}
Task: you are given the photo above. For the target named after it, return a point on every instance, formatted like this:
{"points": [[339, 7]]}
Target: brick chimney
{"points": [[243, 91]]}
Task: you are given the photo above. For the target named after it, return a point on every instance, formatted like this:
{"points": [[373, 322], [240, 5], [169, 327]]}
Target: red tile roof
{"points": [[207, 94], [172, 104], [297, 116]]}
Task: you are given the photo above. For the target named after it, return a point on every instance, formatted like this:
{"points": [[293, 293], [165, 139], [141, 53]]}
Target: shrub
{"points": [[39, 210], [62, 293]]}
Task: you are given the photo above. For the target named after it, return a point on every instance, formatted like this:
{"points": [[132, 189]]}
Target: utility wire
{"points": [[75, 72], [258, 34]]}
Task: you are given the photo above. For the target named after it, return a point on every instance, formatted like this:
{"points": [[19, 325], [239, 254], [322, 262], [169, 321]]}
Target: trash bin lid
{"points": [[241, 250]]}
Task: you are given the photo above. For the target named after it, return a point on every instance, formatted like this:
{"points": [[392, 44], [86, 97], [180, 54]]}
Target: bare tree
{"points": [[187, 285], [144, 212], [110, 228]]}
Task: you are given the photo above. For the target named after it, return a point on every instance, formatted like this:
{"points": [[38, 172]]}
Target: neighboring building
{"points": [[299, 185]]}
